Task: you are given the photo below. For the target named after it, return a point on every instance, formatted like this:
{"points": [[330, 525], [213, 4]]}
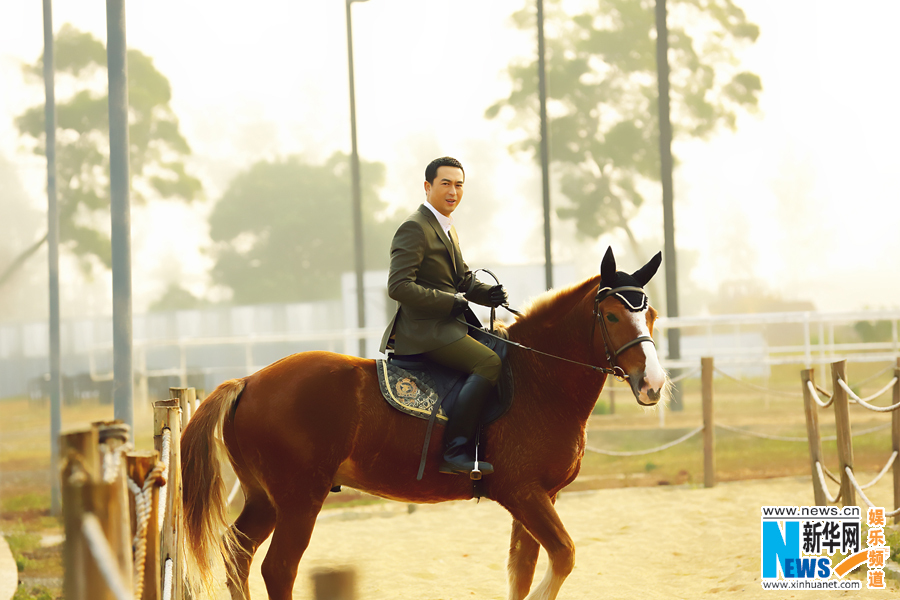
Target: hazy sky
{"points": [[803, 188]]}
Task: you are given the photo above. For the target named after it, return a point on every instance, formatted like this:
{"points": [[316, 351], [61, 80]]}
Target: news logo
{"points": [[800, 544]]}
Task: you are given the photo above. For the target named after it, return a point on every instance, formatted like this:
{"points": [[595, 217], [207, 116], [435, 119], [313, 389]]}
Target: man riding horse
{"points": [[433, 286]]}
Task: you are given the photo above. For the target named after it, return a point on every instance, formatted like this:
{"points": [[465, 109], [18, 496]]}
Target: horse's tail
{"points": [[207, 531]]}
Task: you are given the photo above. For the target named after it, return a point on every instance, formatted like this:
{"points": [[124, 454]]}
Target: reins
{"points": [[620, 375], [602, 294]]}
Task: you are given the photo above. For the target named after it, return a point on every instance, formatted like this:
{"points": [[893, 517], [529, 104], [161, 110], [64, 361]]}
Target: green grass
{"points": [[29, 592], [21, 544], [30, 501]]}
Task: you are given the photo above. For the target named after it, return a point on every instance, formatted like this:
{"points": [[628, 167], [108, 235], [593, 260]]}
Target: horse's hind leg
{"points": [[293, 529], [536, 513], [251, 528], [523, 556]]}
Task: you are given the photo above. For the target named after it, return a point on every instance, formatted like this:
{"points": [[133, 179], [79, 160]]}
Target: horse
{"points": [[315, 420]]}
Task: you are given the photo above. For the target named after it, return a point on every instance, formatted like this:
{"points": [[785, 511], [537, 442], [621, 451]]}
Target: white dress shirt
{"points": [[445, 222]]}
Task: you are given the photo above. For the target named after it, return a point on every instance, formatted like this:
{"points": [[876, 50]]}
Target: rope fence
{"points": [[840, 400], [685, 375], [756, 387], [107, 554], [832, 499], [865, 401], [683, 438], [811, 395]]}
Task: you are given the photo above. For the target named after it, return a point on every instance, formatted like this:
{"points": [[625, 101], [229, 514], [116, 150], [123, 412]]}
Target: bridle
{"points": [[599, 315], [602, 294]]}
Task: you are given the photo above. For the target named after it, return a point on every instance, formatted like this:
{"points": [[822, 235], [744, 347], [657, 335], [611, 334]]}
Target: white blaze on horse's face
{"points": [[649, 386]]}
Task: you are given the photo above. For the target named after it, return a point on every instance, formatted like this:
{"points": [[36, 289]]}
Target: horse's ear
{"points": [[645, 273], [608, 267]]}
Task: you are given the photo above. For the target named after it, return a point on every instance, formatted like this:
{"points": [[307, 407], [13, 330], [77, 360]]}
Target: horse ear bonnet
{"points": [[646, 273], [610, 278]]}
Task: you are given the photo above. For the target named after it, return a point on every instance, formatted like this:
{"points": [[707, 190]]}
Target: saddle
{"points": [[416, 386]]}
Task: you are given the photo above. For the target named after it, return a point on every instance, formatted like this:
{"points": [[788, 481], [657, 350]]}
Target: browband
{"points": [[604, 293]]}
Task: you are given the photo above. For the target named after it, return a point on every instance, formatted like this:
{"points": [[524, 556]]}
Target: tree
{"points": [[157, 148], [283, 230], [602, 96]]}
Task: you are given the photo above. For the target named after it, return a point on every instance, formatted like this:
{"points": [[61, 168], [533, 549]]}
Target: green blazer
{"points": [[427, 270]]}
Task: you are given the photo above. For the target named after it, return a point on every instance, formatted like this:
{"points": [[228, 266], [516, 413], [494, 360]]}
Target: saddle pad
{"points": [[410, 392], [413, 386]]}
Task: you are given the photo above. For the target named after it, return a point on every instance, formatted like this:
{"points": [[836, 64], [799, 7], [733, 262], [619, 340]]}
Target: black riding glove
{"points": [[498, 296], [460, 304]]}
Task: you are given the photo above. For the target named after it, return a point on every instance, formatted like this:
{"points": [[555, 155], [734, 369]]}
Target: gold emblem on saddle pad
{"points": [[407, 388]]}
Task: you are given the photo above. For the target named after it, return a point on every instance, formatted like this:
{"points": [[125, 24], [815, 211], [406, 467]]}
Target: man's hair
{"points": [[444, 161]]}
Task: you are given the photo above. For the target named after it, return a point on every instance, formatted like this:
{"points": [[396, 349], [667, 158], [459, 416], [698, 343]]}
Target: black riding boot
{"points": [[461, 428]]}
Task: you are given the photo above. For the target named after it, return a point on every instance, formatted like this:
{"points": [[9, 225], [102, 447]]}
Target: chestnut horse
{"points": [[315, 420]]}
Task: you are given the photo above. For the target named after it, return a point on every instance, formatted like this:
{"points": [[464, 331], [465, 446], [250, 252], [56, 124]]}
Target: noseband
{"points": [[599, 315]]}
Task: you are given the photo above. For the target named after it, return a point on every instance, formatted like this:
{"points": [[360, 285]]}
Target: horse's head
{"points": [[624, 326]]}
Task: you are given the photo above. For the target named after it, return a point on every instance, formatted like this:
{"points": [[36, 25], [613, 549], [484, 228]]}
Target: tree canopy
{"points": [[157, 147], [283, 231], [602, 96]]}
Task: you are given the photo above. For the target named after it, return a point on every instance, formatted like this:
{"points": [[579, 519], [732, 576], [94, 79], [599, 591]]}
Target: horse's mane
{"points": [[552, 303]]}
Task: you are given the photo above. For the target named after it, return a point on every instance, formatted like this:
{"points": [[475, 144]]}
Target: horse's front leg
{"points": [[523, 556], [535, 511]]}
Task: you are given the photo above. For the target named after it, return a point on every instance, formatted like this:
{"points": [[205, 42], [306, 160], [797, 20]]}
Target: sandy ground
{"points": [[632, 543], [641, 543]]}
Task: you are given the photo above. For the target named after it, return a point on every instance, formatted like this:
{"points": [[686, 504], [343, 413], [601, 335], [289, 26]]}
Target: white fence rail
{"points": [[799, 338]]}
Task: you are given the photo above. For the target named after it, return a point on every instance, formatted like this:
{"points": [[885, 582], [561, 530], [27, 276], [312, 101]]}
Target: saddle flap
{"points": [[412, 384], [411, 391]]}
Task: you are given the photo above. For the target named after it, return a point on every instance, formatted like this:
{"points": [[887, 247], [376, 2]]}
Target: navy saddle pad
{"points": [[412, 384]]}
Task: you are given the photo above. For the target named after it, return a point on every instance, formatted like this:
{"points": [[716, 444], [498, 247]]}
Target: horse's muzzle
{"points": [[643, 393]]}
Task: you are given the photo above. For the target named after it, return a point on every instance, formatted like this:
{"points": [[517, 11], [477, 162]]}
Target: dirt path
{"points": [[642, 543]]}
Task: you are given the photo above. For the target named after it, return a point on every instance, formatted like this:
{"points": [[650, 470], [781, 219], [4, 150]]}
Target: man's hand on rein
{"points": [[498, 296]]}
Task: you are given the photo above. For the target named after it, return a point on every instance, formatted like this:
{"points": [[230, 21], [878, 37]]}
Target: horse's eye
{"points": [[612, 318]]}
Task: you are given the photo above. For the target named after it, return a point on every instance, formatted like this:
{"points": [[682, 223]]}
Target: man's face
{"points": [[446, 192]]}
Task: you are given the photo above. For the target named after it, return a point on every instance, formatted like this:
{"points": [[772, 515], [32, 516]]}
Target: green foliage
{"points": [[892, 540], [21, 543], [284, 230], [601, 408], [873, 331], [602, 95], [33, 592], [82, 140], [25, 502], [177, 298]]}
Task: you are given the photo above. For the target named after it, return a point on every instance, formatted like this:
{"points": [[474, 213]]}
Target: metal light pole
{"points": [[120, 212], [52, 258], [545, 141], [357, 193], [665, 159]]}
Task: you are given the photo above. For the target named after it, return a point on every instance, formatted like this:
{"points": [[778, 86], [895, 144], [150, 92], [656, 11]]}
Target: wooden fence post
{"points": [[186, 398], [76, 560], [167, 416], [113, 435], [140, 464], [811, 409], [81, 472], [336, 584], [83, 444], [709, 432], [844, 434], [895, 439]]}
